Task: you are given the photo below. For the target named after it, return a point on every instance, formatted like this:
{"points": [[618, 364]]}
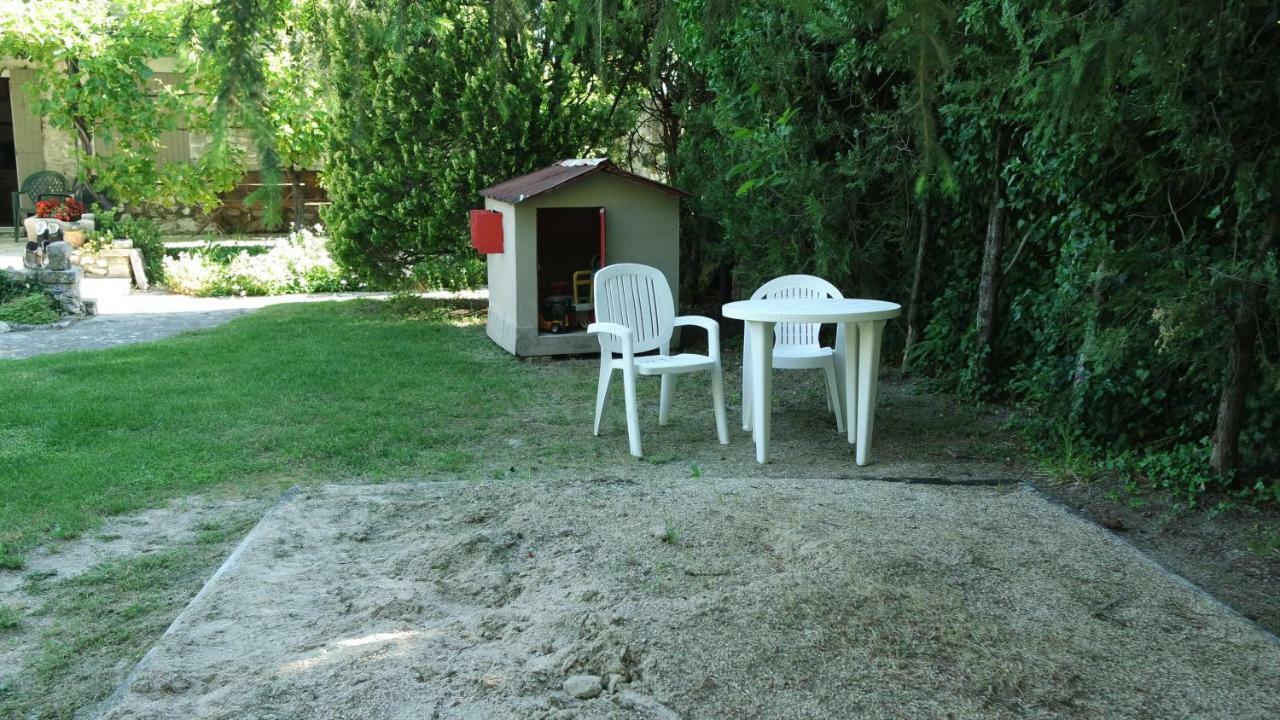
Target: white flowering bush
{"points": [[300, 264], [190, 273]]}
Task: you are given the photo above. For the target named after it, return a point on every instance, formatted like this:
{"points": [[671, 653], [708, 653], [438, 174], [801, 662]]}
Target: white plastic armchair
{"points": [[795, 345], [635, 314]]}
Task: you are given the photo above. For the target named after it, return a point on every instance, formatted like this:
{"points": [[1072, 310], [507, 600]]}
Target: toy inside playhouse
{"points": [[571, 247]]}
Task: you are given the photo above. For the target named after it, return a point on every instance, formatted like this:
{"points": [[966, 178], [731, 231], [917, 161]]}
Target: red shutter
{"points": [[486, 231]]}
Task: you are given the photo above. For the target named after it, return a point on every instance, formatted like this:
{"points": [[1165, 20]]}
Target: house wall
{"points": [[28, 130], [642, 225]]}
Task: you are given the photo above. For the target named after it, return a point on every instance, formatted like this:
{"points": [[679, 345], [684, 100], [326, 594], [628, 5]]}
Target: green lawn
{"points": [[334, 392], [373, 391], [289, 394]]}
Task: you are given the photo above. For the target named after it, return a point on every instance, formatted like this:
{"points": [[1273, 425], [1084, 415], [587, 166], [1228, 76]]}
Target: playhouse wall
{"points": [[504, 276]]}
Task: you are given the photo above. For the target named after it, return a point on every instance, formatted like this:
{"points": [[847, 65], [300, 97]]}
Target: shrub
{"points": [[30, 309], [301, 264], [16, 285], [144, 233], [416, 134], [462, 271]]}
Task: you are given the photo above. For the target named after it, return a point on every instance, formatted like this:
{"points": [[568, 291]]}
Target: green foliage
{"points": [[435, 100], [35, 308], [14, 285], [1264, 541], [10, 560], [96, 82], [10, 618], [456, 271], [144, 233], [300, 263], [1137, 213], [1125, 150]]}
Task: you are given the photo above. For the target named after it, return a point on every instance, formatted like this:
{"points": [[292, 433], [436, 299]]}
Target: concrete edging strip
{"points": [[118, 694], [1152, 563]]}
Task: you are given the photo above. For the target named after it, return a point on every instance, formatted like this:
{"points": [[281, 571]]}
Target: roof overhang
{"points": [[538, 182]]}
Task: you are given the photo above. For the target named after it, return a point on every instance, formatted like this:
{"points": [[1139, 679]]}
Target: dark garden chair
{"points": [[36, 187]]}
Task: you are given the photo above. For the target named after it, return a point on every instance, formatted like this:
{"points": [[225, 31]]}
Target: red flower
{"points": [[46, 208], [68, 210]]}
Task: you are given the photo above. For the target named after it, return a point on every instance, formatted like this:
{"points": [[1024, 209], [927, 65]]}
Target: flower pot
{"points": [[73, 232], [73, 236]]}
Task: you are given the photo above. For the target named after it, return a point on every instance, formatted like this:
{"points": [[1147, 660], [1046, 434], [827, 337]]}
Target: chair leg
{"points": [[746, 385], [833, 393], [664, 399], [717, 398], [602, 391], [633, 413]]}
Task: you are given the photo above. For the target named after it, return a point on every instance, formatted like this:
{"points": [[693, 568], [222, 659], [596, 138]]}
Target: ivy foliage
{"points": [[1130, 148]]}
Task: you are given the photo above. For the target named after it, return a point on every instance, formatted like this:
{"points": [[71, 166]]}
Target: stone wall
{"points": [[59, 278]]}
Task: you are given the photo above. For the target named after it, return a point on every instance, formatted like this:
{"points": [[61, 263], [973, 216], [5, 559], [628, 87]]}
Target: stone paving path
{"points": [[143, 317], [106, 331]]}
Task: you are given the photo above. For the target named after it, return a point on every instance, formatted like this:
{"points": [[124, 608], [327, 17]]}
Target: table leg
{"points": [[762, 385], [847, 348], [747, 378], [869, 334]]}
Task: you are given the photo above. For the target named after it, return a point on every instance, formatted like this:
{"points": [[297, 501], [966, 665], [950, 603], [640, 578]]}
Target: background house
{"points": [[28, 144]]}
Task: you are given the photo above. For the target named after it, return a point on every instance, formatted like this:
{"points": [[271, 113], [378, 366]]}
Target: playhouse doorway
{"points": [[571, 247]]}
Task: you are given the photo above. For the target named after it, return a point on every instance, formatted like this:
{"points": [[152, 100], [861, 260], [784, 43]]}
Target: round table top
{"points": [[815, 310]]}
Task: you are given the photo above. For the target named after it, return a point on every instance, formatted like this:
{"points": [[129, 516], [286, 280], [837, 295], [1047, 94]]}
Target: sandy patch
{"points": [[127, 536], [712, 598]]}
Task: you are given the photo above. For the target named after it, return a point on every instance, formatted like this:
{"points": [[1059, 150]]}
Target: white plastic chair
{"points": [[635, 313], [795, 345]]}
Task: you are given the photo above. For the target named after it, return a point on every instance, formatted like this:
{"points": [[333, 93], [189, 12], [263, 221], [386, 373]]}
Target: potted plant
{"points": [[66, 212]]}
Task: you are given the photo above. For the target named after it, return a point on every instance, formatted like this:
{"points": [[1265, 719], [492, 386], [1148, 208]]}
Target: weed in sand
{"points": [[10, 617], [10, 560], [1263, 541], [670, 535]]}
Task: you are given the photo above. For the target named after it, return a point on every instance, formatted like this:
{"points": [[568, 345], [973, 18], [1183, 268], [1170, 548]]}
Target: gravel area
{"points": [[696, 598]]}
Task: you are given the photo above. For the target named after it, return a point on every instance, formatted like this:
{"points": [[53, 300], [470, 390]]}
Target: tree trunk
{"points": [[1225, 457], [1081, 376], [295, 179], [993, 247], [913, 301]]}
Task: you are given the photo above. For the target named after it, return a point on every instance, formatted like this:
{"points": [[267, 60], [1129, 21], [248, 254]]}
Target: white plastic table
{"points": [[857, 349]]}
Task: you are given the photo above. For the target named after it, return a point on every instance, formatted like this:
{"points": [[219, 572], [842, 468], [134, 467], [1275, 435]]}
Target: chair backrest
{"points": [[45, 182], [638, 297], [793, 287]]}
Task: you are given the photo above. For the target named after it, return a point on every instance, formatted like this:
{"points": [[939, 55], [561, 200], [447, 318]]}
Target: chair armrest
{"points": [[620, 331], [711, 326]]}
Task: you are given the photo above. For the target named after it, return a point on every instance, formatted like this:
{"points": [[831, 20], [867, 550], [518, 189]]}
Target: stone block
{"points": [[57, 256], [47, 276]]}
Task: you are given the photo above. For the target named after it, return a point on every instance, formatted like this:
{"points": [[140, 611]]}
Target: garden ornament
{"points": [[34, 256]]}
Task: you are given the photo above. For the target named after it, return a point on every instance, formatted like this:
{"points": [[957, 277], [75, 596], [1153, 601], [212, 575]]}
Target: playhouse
{"points": [[545, 234]]}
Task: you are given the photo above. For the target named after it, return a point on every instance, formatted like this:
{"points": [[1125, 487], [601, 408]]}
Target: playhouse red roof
{"points": [[519, 189]]}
